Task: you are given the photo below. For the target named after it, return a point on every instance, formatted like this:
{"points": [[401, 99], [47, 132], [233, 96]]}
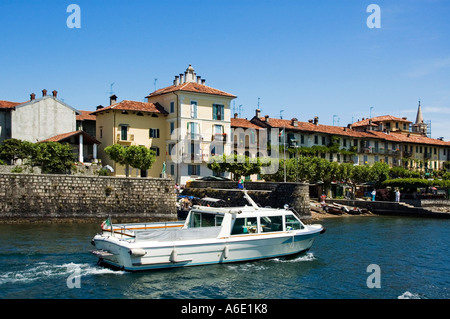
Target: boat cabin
{"points": [[243, 221]]}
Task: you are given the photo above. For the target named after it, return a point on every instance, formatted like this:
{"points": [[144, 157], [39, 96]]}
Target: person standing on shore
{"points": [[397, 195], [374, 192]]}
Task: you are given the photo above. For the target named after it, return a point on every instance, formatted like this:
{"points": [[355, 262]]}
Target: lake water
{"points": [[410, 255]]}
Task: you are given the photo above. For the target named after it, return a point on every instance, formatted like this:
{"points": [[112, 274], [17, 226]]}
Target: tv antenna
{"points": [[240, 107], [337, 121], [281, 114], [111, 92], [155, 83]]}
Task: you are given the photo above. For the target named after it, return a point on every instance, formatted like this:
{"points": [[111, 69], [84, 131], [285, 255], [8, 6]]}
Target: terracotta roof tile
{"points": [[126, 105], [342, 131], [378, 119], [244, 123], [9, 104], [61, 137], [311, 127], [86, 115], [419, 139], [190, 87]]}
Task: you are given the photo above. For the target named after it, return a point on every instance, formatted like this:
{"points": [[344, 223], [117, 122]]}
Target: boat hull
{"points": [[146, 256]]}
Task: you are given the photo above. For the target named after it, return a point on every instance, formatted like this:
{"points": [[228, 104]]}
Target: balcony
{"points": [[192, 158], [221, 137], [407, 154], [193, 136]]}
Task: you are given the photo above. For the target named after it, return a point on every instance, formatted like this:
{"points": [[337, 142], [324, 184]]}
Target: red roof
{"points": [[61, 137], [310, 127], [244, 123], [86, 115], [9, 104], [343, 131], [377, 119], [190, 87], [126, 105]]}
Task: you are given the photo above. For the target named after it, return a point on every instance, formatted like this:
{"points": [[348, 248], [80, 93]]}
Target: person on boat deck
{"points": [[374, 192]]}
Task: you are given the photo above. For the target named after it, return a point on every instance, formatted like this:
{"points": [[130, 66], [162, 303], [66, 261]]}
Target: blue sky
{"points": [[307, 58]]}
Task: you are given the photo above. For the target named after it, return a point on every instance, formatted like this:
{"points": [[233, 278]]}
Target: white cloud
{"points": [[428, 67], [433, 109]]}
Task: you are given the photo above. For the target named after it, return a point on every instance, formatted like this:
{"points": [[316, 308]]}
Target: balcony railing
{"points": [[407, 154], [193, 136], [221, 137]]}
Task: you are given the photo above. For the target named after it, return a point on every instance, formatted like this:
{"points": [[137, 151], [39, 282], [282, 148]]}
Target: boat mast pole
{"points": [[250, 200]]}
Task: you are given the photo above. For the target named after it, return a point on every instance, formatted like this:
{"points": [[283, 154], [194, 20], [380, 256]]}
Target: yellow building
{"points": [[132, 123], [198, 123]]}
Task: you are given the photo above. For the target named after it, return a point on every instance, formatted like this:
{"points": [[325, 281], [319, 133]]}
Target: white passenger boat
{"points": [[209, 235]]}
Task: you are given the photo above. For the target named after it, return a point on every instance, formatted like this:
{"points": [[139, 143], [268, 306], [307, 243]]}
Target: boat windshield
{"points": [[293, 223], [265, 224], [204, 219]]}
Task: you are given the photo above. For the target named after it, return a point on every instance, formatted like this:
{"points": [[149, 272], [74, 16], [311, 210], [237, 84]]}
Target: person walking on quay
{"points": [[374, 192], [397, 195]]}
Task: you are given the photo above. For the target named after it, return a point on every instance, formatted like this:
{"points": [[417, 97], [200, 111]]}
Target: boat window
{"points": [[244, 225], [271, 224], [292, 223], [206, 220]]}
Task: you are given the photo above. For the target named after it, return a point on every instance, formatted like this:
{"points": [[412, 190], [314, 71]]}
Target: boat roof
{"points": [[244, 210]]}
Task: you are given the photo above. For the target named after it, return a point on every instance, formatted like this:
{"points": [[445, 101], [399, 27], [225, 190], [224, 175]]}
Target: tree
{"points": [[238, 165], [54, 157], [379, 172], [13, 149], [135, 156], [140, 157]]}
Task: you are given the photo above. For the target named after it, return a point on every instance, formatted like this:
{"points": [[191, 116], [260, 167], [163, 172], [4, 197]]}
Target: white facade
{"points": [[42, 118]]}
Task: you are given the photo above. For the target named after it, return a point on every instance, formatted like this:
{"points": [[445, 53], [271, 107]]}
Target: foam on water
{"points": [[409, 295], [44, 270], [306, 257]]}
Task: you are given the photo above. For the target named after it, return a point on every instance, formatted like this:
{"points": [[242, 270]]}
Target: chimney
{"points": [[181, 78], [99, 107], [316, 120], [55, 93], [266, 118], [310, 121], [203, 81], [32, 96], [258, 113], [235, 115], [294, 122], [199, 81], [44, 92], [112, 99], [176, 81]]}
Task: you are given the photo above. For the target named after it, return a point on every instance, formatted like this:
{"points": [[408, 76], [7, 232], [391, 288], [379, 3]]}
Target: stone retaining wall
{"points": [[33, 197]]}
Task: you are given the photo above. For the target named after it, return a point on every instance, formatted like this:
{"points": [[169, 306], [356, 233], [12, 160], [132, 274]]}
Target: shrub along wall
{"points": [[68, 198]]}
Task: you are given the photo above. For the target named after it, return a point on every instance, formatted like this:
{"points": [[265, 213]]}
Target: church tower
{"points": [[419, 126]]}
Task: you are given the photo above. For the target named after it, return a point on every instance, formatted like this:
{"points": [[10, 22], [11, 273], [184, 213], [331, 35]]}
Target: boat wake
{"points": [[305, 257], [45, 271]]}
